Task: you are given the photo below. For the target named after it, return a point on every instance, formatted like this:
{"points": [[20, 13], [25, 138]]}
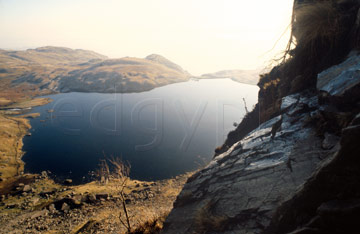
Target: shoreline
{"points": [[12, 131], [37, 203]]}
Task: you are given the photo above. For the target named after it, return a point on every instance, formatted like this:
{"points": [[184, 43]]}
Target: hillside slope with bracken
{"points": [[55, 69]]}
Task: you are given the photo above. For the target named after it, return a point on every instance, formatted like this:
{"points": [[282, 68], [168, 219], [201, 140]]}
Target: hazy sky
{"points": [[200, 35]]}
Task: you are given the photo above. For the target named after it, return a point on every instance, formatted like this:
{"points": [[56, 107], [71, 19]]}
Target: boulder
{"points": [[47, 193], [27, 188], [330, 140], [340, 85], [240, 190], [71, 203], [34, 201], [102, 196], [341, 78], [68, 181], [90, 198], [39, 213], [65, 207], [280, 177], [52, 208], [44, 174], [12, 206], [329, 201]]}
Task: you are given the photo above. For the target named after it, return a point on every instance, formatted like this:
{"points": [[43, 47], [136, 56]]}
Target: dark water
{"points": [[162, 133]]}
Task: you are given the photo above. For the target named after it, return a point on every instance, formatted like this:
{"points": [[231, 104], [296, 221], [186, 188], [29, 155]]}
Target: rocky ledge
{"points": [[272, 180], [35, 204]]}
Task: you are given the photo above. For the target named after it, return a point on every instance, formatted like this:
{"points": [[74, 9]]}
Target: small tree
{"points": [[119, 172]]}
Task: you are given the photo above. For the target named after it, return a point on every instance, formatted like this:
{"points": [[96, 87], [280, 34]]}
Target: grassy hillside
{"points": [[24, 74], [121, 75], [50, 55]]}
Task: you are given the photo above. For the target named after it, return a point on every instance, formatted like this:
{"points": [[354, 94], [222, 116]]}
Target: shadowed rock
{"points": [[278, 177]]}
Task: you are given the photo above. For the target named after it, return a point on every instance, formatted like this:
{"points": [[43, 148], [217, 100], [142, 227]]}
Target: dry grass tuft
{"points": [[322, 35], [315, 20], [152, 226], [206, 220], [318, 27]]}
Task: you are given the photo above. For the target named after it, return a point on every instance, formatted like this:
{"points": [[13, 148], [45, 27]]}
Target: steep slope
{"points": [[292, 165], [255, 185]]}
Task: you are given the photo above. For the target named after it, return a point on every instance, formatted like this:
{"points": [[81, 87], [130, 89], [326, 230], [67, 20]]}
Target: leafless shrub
{"points": [[120, 174], [117, 171]]}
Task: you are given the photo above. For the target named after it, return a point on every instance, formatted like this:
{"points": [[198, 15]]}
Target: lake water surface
{"points": [[161, 133]]}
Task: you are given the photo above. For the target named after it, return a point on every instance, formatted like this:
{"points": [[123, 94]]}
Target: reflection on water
{"points": [[162, 132]]}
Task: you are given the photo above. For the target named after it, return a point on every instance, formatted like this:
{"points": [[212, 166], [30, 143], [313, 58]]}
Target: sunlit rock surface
{"points": [[242, 190], [246, 184], [339, 79]]}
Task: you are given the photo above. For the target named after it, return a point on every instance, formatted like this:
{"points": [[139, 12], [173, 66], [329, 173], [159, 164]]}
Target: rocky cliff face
{"points": [[295, 172]]}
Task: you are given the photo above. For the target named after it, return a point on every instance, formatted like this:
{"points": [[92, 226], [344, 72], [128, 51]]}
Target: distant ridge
{"points": [[60, 69], [53, 55], [242, 76], [164, 61]]}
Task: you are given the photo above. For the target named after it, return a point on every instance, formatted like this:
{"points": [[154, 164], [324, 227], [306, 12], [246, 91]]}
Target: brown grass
{"points": [[38, 72], [315, 20], [206, 220], [31, 103], [312, 21], [320, 26], [322, 36], [30, 115], [12, 130], [147, 214], [151, 226], [4, 101], [8, 186]]}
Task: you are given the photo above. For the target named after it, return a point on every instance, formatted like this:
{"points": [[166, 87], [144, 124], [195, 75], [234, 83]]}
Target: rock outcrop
{"points": [[291, 173]]}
